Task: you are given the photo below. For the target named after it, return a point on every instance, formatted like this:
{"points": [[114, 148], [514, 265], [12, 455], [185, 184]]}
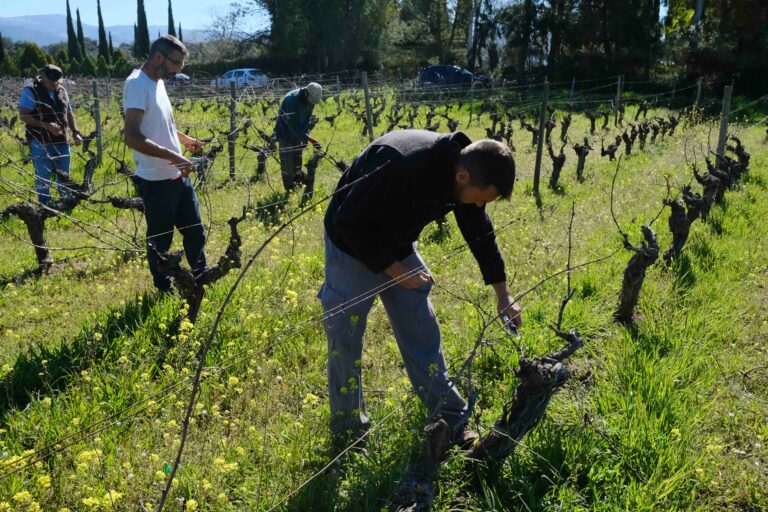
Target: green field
{"points": [[670, 415]]}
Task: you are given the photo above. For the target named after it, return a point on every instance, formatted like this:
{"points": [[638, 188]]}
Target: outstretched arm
{"points": [[506, 305], [134, 139]]}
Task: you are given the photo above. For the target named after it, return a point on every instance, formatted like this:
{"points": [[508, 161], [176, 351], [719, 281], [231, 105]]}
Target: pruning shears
{"points": [[509, 327]]}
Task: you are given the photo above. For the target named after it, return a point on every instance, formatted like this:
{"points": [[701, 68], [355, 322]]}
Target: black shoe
{"points": [[465, 439]]}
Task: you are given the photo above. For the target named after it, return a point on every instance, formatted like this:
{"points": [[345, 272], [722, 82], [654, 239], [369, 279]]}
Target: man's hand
{"points": [[414, 278], [53, 128], [505, 305], [185, 166], [193, 145], [77, 137], [315, 144]]}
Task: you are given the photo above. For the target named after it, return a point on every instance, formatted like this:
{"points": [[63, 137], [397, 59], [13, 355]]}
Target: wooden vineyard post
{"points": [[573, 86], [232, 135], [617, 102], [724, 115], [540, 146], [97, 120], [698, 93], [368, 114]]}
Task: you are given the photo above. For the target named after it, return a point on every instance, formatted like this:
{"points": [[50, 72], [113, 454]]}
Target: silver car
{"points": [[241, 77]]}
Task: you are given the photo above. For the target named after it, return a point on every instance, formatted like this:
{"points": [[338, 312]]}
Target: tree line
{"points": [[523, 40], [520, 40], [81, 55]]}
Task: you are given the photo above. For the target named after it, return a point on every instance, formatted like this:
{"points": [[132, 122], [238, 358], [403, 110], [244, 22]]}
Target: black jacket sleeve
{"points": [[477, 230]]}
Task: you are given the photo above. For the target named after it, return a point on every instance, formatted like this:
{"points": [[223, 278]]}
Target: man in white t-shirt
{"points": [[161, 169]]}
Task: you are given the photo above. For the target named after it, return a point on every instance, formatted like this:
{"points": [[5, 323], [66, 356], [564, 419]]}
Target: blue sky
{"points": [[191, 14]]}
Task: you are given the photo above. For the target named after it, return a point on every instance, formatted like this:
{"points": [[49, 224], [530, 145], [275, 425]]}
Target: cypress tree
{"points": [[102, 68], [73, 47], [111, 48], [135, 39], [103, 46], [142, 32], [2, 49], [80, 37], [181, 37], [74, 68], [171, 27], [87, 67], [62, 59]]}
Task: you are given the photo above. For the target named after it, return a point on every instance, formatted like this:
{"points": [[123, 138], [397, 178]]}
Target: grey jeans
{"points": [[347, 296], [290, 165]]}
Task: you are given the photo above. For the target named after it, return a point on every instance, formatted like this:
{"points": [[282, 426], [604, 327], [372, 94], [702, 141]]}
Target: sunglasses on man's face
{"points": [[178, 63]]}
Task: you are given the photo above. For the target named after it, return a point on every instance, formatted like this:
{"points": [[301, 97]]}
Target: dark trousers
{"points": [[290, 164], [169, 204]]}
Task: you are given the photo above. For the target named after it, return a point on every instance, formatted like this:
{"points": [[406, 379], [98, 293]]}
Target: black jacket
{"points": [[410, 184], [48, 110]]}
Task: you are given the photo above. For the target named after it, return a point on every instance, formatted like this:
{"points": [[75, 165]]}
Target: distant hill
{"points": [[47, 29]]}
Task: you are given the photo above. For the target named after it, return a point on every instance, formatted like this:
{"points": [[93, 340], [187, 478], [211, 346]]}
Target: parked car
{"points": [[448, 76], [241, 77], [178, 80]]}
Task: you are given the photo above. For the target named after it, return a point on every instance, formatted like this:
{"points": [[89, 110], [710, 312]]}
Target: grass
{"points": [[667, 416]]}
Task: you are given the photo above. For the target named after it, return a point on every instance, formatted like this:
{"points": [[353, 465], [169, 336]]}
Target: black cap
{"points": [[52, 72]]}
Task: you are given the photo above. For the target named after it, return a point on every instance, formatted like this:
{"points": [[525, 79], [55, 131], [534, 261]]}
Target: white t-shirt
{"points": [[143, 93]]}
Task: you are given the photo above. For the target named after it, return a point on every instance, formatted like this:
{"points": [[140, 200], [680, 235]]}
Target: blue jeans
{"points": [[169, 204], [347, 296], [46, 158]]}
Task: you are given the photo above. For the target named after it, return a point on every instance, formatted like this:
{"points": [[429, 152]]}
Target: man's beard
{"points": [[164, 73]]}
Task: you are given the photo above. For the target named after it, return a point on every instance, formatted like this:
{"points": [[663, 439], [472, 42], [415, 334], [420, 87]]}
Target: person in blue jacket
{"points": [[292, 129]]}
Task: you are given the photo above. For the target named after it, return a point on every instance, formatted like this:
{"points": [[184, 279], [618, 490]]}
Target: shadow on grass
{"points": [[559, 190], [685, 277], [321, 493], [368, 481], [702, 251], [43, 369], [533, 471], [22, 278], [269, 208], [629, 324], [714, 224]]}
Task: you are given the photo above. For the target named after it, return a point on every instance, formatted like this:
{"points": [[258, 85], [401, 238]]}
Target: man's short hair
{"points": [[166, 44], [489, 162]]}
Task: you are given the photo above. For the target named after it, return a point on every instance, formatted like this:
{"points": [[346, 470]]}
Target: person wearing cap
{"points": [[45, 109], [400, 183], [292, 129], [161, 169]]}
